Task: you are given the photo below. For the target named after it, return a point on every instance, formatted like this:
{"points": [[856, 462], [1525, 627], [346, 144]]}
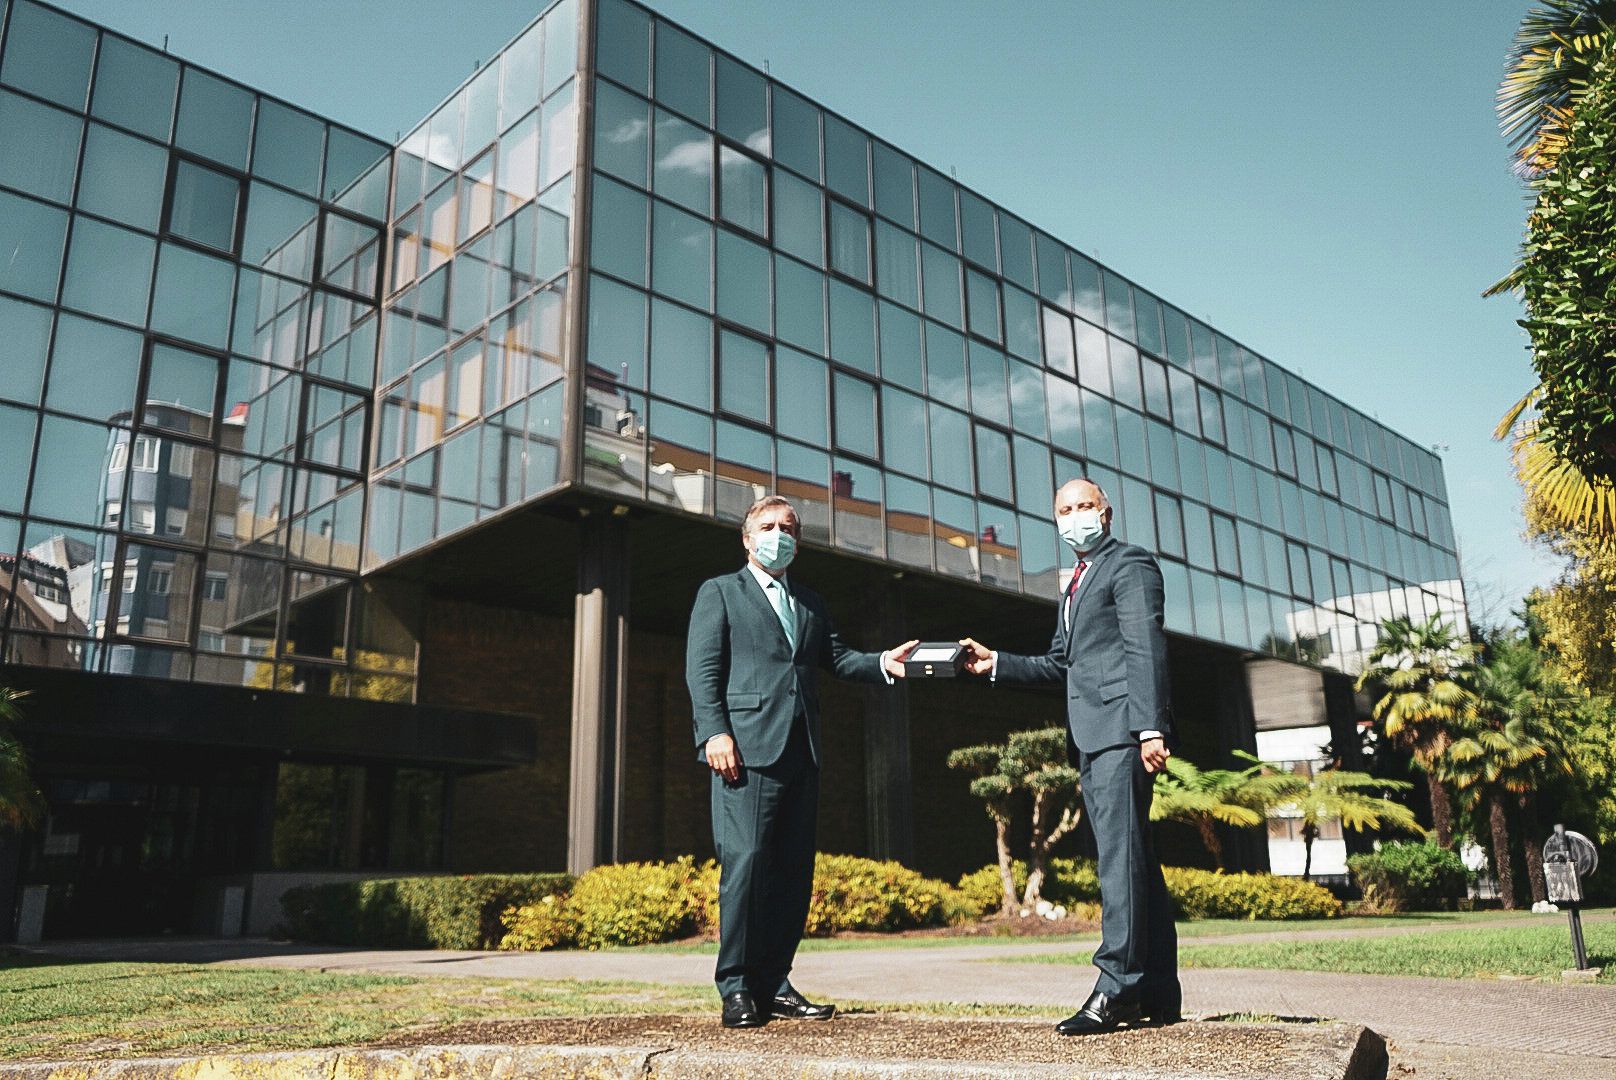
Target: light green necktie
{"points": [[782, 608]]}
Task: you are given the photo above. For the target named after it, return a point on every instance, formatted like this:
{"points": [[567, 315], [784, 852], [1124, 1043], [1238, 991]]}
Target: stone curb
{"points": [[1346, 1052]]}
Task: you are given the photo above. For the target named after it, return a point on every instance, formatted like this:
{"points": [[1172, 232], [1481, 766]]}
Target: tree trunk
{"points": [[1037, 856], [1534, 850], [1310, 833], [1007, 874], [1441, 809], [1503, 862], [1209, 836]]}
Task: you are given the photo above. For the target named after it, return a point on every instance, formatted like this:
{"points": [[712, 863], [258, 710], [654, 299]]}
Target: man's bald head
{"points": [[1082, 494]]}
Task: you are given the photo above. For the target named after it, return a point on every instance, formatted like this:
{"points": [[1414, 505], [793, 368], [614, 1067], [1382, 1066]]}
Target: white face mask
{"points": [[1081, 528], [774, 548]]}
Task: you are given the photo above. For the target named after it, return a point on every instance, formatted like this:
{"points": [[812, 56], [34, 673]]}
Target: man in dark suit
{"points": [[756, 641], [1110, 651]]}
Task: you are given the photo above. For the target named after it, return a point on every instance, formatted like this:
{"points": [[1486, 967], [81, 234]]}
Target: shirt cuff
{"points": [[885, 674], [1146, 736], [993, 671]]}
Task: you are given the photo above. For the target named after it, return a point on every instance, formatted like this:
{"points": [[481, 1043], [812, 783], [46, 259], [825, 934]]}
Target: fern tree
{"points": [[1419, 670], [1031, 763], [1206, 798], [20, 801], [1357, 799]]}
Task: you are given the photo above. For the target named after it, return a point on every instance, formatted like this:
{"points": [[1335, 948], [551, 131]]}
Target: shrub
{"points": [[861, 894], [1198, 894], [641, 903], [1406, 875], [446, 912], [546, 924]]}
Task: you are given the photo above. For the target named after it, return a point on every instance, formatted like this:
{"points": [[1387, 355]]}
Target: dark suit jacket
{"points": [[744, 680], [1114, 659]]}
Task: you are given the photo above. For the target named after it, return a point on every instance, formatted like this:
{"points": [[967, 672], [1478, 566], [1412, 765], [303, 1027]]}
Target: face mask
{"points": [[1081, 528], [774, 548]]}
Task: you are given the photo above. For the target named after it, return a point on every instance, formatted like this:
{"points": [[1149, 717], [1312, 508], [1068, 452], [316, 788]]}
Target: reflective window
{"points": [[477, 197], [856, 497], [1099, 428], [193, 296], [796, 133], [93, 369], [1226, 545], [1093, 357], [203, 205], [1198, 536], [1163, 455], [894, 185], [908, 516], [48, 54], [522, 60], [1211, 415], [279, 233], [897, 265], [950, 448], [618, 234], [743, 376], [1021, 324], [743, 191], [849, 241], [742, 468], [982, 296], [847, 161], [180, 387], [743, 281], [804, 479], [1015, 251], [1059, 352], [681, 355], [903, 431], [742, 105], [1119, 306], [134, 87], [1034, 481], [852, 326], [900, 346], [1148, 311], [684, 163], [681, 255], [1065, 415], [1052, 283], [109, 271], [1027, 399], [1185, 410], [683, 73], [799, 304], [800, 408], [855, 415], [16, 445], [122, 177], [482, 110], [71, 471], [215, 118], [945, 365], [937, 221], [41, 147], [1086, 300], [617, 317], [940, 274], [1125, 384], [356, 172], [955, 533], [560, 44], [24, 339], [1157, 400], [798, 227], [993, 463], [989, 383], [288, 147], [623, 44]]}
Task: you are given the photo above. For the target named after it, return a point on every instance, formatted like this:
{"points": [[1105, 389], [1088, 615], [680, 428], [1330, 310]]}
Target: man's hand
{"points": [[723, 758], [978, 657], [894, 658], [1154, 753]]}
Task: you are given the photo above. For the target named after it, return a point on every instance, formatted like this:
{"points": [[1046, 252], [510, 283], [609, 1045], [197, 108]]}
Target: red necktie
{"points": [[1077, 576]]}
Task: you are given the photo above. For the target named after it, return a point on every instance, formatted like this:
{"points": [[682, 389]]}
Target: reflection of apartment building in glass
{"points": [[353, 496]]}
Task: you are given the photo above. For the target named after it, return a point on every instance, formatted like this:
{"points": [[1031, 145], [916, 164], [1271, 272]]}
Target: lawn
{"points": [[1540, 951], [58, 1010]]}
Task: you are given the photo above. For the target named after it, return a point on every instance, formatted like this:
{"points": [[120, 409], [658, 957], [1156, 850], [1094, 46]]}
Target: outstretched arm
{"points": [[1015, 667]]}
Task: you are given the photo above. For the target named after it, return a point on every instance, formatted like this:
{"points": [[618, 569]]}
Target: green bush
{"points": [[447, 912], [861, 894], [546, 924], [642, 903], [1407, 875], [1198, 894]]}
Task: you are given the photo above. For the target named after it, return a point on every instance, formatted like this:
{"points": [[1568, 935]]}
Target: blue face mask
{"points": [[1081, 528], [774, 548]]}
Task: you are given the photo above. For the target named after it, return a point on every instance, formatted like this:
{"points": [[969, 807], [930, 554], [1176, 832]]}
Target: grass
{"points": [[56, 1010], [1533, 951]]}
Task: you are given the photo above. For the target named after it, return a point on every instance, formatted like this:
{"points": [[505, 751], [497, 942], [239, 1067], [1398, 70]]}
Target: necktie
{"points": [[1071, 589], [782, 608]]}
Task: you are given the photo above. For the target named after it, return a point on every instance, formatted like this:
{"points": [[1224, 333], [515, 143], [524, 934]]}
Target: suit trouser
{"points": [[1138, 953], [763, 831]]}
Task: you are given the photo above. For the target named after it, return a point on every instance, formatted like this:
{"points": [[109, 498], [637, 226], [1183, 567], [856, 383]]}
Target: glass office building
{"points": [[309, 440]]}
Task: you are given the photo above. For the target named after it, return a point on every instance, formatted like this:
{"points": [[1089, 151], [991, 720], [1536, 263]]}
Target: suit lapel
{"points": [[799, 613], [1096, 560], [760, 603]]}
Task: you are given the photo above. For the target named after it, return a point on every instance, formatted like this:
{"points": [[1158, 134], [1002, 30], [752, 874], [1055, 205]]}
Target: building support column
{"points": [[599, 683], [888, 785], [1243, 849], [1341, 712]]}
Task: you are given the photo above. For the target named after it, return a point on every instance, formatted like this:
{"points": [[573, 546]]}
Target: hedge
{"points": [[1198, 894], [1409, 875], [443, 912]]}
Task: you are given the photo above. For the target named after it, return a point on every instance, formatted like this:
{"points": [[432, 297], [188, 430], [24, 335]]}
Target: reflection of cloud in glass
{"points": [[694, 157], [626, 132]]}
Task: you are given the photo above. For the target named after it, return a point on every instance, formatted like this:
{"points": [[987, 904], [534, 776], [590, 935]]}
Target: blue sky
{"points": [[1324, 183]]}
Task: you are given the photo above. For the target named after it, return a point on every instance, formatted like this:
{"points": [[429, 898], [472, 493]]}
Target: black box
{"points": [[934, 660]]}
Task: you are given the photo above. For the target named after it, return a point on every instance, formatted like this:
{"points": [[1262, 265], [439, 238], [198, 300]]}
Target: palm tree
{"points": [[1555, 47], [1420, 669], [1204, 798], [20, 801], [1506, 748], [1356, 798], [1569, 497]]}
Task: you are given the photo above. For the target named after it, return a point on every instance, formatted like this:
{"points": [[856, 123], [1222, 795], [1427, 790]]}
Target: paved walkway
{"points": [[1499, 1014]]}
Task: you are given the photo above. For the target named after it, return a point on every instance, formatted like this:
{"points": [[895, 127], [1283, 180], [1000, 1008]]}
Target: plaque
{"points": [[934, 660]]}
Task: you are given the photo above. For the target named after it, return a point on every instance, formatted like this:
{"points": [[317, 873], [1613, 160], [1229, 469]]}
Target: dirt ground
{"points": [[1215, 1049]]}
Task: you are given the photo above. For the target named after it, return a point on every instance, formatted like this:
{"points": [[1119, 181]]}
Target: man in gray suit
{"points": [[1110, 651], [756, 641]]}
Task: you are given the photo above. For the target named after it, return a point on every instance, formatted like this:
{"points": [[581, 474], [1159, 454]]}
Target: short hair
{"points": [[1105, 500], [766, 503]]}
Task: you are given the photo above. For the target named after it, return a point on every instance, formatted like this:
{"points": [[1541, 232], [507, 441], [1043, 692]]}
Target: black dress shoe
{"points": [[1161, 1013], [741, 1011], [793, 1006], [1099, 1014]]}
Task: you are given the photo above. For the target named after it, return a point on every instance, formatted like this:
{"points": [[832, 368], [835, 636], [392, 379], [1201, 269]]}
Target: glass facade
{"points": [[248, 355], [778, 300]]}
